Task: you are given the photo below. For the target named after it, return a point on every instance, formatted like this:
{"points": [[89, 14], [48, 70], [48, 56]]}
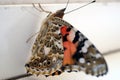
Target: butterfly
{"points": [[59, 47]]}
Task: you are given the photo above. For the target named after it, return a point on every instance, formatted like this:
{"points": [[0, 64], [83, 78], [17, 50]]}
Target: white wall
{"points": [[99, 22], [14, 2]]}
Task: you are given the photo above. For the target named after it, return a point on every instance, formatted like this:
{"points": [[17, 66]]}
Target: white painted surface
{"points": [[99, 22], [14, 2]]}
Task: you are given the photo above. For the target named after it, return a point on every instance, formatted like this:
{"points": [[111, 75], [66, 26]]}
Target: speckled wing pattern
{"points": [[59, 47]]}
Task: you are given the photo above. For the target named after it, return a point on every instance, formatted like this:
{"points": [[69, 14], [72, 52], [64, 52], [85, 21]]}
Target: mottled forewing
{"points": [[47, 51]]}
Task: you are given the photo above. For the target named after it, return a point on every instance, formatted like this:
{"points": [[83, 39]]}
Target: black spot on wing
{"points": [[92, 46], [68, 29], [56, 73], [60, 25], [27, 65], [65, 48], [81, 44], [63, 68], [69, 71], [59, 72], [71, 26], [76, 37], [53, 74], [79, 54], [46, 75], [65, 38]]}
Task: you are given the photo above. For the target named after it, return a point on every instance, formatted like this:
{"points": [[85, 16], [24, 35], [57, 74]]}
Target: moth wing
{"points": [[47, 51], [85, 55]]}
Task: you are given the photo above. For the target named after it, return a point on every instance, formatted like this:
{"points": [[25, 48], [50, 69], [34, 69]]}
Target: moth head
{"points": [[59, 13]]}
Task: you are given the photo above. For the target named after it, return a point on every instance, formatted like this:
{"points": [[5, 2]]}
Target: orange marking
{"points": [[70, 48], [63, 30]]}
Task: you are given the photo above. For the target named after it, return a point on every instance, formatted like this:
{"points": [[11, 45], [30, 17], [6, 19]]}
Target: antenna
{"points": [[40, 7], [67, 4], [80, 6]]}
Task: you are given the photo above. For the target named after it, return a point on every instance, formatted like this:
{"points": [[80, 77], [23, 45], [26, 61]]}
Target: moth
{"points": [[59, 47]]}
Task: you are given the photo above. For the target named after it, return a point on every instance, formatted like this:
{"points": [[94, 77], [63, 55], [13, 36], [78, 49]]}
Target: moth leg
{"points": [[31, 37]]}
